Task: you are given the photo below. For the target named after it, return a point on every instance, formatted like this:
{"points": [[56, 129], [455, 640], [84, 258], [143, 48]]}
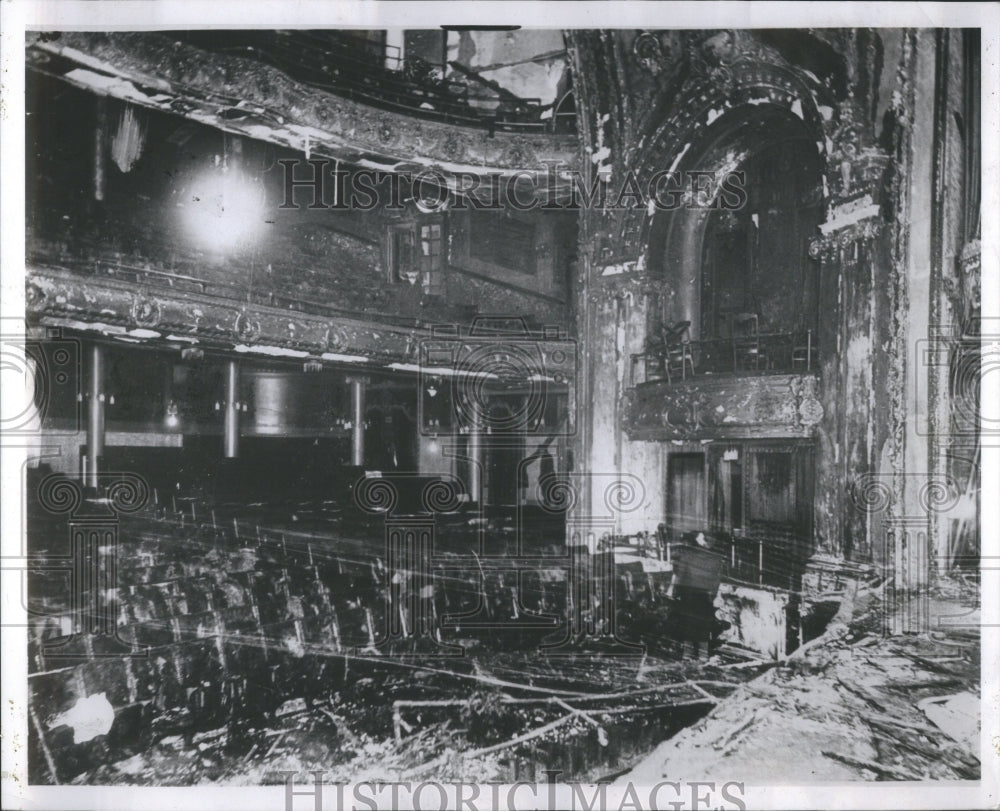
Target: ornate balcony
{"points": [[746, 405]]}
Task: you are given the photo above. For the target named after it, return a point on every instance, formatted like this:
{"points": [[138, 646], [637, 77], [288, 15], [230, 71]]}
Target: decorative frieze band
{"points": [[115, 308]]}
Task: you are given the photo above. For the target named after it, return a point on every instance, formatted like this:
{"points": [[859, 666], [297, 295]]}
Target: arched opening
{"points": [[735, 275], [739, 265]]}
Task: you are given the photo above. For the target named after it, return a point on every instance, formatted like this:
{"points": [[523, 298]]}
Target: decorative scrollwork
{"points": [[440, 496], [453, 147], [375, 495], [246, 328], [828, 246], [810, 410], [624, 494], [710, 57], [335, 338], [384, 131], [34, 296], [57, 494], [939, 495], [128, 493], [519, 154], [871, 493], [648, 52], [556, 494], [145, 312]]}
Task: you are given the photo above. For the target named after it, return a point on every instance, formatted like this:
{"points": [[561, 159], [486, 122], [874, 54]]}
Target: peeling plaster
{"points": [[850, 214]]}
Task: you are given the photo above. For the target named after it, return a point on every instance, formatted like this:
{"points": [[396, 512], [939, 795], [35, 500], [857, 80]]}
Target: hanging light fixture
{"points": [[173, 415], [224, 208]]}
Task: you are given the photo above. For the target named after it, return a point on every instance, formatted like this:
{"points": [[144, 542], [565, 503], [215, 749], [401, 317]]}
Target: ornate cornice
{"points": [[125, 311], [249, 98]]}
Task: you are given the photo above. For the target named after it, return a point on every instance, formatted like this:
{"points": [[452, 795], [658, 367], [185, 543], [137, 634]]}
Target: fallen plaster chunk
{"points": [[957, 716], [89, 717]]}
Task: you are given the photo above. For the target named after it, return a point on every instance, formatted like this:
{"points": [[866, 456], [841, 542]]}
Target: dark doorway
{"points": [[686, 495]]}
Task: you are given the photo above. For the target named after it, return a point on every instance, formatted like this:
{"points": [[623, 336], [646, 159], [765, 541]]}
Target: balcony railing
{"points": [[762, 558], [765, 353]]}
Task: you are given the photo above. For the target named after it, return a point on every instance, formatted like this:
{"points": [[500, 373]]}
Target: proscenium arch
{"points": [[675, 239]]}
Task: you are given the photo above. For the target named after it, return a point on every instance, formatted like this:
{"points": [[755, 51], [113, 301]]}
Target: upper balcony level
{"points": [[768, 386], [422, 74], [337, 95]]}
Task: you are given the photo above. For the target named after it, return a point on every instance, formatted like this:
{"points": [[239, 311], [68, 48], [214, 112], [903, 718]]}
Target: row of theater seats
{"points": [[207, 626]]}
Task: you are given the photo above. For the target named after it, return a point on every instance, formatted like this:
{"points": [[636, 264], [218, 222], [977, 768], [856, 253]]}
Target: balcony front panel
{"points": [[725, 406]]}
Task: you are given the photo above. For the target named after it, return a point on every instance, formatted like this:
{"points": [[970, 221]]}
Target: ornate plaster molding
{"points": [[117, 309], [725, 407]]}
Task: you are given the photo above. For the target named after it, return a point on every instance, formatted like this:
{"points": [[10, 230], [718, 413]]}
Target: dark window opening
{"points": [[400, 254]]}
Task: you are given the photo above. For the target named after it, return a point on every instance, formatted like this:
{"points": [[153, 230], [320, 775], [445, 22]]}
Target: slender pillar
{"points": [[475, 454], [95, 415], [357, 420], [231, 424]]}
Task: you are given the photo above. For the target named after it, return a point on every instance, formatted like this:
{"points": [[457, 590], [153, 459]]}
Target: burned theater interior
{"points": [[489, 404]]}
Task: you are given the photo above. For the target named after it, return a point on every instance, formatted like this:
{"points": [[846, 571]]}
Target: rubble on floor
{"points": [[855, 705], [447, 726]]}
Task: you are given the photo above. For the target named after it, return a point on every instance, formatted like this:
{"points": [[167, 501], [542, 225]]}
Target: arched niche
{"points": [[718, 256]]}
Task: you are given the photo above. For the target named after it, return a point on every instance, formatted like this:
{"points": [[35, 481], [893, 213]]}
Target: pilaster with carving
{"points": [[853, 268]]}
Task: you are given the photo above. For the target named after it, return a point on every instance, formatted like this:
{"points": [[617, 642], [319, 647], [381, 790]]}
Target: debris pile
{"points": [[857, 704]]}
